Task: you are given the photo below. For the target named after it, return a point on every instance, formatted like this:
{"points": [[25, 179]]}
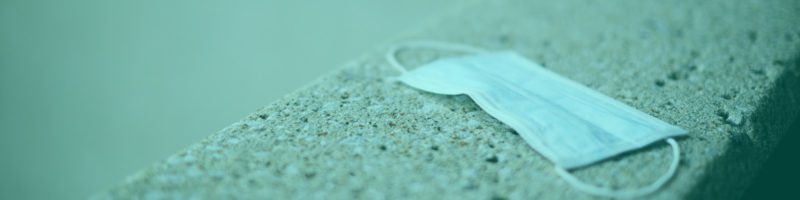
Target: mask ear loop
{"points": [[391, 55], [572, 180]]}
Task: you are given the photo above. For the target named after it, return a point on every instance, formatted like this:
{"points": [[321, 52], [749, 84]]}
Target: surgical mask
{"points": [[569, 124]]}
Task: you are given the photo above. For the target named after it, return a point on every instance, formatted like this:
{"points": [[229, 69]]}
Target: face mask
{"points": [[568, 123]]}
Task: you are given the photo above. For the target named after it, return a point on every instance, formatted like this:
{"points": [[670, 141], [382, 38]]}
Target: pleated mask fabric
{"points": [[566, 122]]}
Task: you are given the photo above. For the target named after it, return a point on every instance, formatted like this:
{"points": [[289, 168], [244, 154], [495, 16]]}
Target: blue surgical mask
{"points": [[571, 125]]}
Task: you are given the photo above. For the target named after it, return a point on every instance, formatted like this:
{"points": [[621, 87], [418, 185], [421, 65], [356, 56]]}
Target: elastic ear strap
{"points": [[572, 180], [391, 55]]}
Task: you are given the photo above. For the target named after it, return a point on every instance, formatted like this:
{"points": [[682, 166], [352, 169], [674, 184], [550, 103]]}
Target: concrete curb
{"points": [[727, 71]]}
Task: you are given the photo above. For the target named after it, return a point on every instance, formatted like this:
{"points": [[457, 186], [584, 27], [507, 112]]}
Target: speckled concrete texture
{"points": [[725, 70]]}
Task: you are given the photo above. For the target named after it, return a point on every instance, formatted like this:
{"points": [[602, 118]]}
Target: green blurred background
{"points": [[92, 91]]}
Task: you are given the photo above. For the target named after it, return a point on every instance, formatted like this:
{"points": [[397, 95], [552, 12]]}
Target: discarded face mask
{"points": [[571, 125]]}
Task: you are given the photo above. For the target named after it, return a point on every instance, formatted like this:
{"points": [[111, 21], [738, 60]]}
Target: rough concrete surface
{"points": [[725, 70]]}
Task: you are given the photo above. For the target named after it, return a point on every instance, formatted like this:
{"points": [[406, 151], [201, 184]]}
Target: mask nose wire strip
{"points": [[391, 55], [572, 180]]}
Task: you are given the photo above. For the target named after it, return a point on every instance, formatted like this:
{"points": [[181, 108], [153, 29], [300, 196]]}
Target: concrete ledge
{"points": [[725, 70]]}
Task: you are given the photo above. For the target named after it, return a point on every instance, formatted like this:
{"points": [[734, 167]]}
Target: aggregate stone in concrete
{"points": [[725, 70]]}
